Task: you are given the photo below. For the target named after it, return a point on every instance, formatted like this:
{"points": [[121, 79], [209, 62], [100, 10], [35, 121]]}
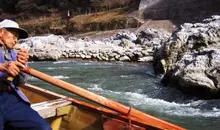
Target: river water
{"points": [[133, 84]]}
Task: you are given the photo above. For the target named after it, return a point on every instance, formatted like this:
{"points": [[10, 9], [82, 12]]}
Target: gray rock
{"points": [[190, 58], [125, 35], [152, 37], [124, 58], [146, 59]]}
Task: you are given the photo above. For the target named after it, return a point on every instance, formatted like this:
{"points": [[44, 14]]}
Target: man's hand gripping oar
{"points": [[14, 67]]}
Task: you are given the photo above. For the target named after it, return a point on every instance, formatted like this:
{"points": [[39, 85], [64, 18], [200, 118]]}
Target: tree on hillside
{"points": [[44, 6], [95, 3], [8, 5], [30, 6]]}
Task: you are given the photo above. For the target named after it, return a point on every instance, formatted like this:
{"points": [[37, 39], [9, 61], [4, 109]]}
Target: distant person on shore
{"points": [[15, 110]]}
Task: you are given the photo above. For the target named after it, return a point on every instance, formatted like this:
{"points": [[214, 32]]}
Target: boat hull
{"points": [[79, 115]]}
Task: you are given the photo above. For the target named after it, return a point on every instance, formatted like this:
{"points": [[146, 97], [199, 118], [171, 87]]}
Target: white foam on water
{"points": [[142, 101], [87, 63], [192, 112], [215, 109], [31, 62], [96, 88], [57, 77], [61, 62], [171, 108], [124, 76], [61, 77], [53, 68], [32, 78]]}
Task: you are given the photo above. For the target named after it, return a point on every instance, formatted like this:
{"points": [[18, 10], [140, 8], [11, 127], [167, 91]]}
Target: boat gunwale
{"points": [[90, 107]]}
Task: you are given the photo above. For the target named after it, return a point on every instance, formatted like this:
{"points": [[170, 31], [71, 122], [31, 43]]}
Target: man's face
{"points": [[8, 37]]}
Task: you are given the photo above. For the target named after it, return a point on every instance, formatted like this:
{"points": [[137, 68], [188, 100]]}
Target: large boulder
{"points": [[44, 47], [190, 59]]}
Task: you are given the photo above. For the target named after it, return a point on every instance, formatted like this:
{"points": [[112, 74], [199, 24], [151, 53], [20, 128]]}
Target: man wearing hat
{"points": [[15, 110]]}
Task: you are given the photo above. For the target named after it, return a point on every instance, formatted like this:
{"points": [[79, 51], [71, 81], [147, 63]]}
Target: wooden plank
{"points": [[49, 108], [36, 94], [84, 120]]}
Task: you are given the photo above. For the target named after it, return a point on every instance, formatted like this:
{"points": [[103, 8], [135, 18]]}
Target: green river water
{"points": [[133, 84]]}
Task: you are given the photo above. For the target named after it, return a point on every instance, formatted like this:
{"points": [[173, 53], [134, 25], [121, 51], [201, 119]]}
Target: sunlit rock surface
{"points": [[179, 11], [190, 59], [123, 46]]}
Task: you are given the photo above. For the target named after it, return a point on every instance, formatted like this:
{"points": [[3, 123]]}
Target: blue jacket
{"points": [[6, 56]]}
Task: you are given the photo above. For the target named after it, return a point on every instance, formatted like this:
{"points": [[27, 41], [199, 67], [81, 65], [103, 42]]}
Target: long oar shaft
{"points": [[150, 120]]}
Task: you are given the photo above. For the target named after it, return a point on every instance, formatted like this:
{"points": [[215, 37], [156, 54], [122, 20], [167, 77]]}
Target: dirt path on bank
{"points": [[165, 25], [97, 35]]}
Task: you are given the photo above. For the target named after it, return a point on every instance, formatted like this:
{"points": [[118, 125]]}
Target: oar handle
{"points": [[21, 66], [143, 117]]}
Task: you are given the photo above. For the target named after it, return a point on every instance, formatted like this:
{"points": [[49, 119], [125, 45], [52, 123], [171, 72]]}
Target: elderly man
{"points": [[15, 110]]}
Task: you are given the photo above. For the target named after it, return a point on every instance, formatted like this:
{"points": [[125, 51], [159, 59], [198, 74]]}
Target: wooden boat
{"points": [[65, 113]]}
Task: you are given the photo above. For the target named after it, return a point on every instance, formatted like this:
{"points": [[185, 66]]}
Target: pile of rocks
{"points": [[124, 46]]}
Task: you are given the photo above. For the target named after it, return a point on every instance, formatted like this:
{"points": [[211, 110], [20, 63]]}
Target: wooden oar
{"points": [[150, 120]]}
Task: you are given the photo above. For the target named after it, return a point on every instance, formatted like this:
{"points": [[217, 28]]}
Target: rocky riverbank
{"points": [[124, 46]]}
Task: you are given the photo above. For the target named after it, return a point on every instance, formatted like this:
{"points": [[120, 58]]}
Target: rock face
{"points": [[124, 46], [179, 11], [190, 59]]}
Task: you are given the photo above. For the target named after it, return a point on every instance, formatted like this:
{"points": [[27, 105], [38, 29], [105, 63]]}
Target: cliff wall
{"points": [[179, 11]]}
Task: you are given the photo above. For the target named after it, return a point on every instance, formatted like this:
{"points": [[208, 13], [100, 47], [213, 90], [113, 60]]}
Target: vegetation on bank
{"points": [[107, 20], [76, 6], [70, 16]]}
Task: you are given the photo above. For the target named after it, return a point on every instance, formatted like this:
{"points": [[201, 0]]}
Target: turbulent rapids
{"points": [[135, 85]]}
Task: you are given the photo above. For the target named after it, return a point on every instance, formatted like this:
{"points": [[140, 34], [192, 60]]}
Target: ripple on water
{"points": [[54, 68], [57, 77], [61, 77], [144, 102], [32, 78], [63, 62]]}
